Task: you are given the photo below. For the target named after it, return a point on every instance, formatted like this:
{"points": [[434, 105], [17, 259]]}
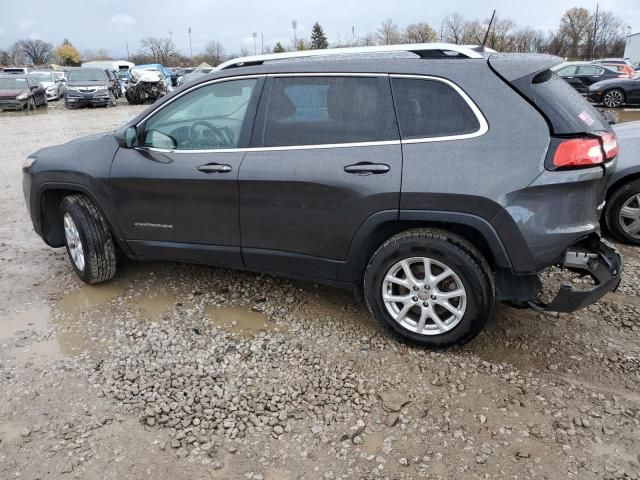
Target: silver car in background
{"points": [[52, 84]]}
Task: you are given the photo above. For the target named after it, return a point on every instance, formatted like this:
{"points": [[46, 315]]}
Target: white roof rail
{"points": [[463, 50]]}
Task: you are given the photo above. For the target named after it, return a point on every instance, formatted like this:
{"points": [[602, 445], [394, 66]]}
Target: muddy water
{"points": [[89, 297], [153, 307], [624, 115], [240, 320]]}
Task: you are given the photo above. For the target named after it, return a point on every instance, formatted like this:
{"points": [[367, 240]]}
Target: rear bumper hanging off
{"points": [[602, 262]]}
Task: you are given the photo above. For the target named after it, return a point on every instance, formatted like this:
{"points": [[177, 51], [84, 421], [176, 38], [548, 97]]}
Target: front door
{"points": [[177, 194], [328, 156]]}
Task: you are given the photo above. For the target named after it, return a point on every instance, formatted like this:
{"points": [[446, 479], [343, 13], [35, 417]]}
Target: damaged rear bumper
{"points": [[597, 258]]}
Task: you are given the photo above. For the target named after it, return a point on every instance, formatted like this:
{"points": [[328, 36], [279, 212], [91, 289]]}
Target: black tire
{"points": [[68, 106], [112, 99], [31, 105], [614, 204], [613, 98], [96, 241], [451, 250]]}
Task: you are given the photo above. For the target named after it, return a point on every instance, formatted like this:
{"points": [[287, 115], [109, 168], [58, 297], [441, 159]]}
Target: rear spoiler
{"points": [[516, 67]]}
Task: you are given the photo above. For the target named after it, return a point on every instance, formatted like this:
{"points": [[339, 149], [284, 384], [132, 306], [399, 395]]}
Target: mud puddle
{"points": [[241, 320], [624, 115], [89, 297], [154, 307]]}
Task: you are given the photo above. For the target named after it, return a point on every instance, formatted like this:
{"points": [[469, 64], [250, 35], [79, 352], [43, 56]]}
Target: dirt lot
{"points": [[179, 371]]}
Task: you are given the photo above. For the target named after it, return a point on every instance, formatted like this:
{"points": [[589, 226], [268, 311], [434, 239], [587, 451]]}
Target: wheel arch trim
{"points": [[352, 268]]}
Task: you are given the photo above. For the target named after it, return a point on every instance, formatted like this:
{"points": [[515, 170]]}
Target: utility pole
{"points": [[294, 24], [190, 49], [353, 35], [255, 45], [128, 51], [595, 33], [261, 43]]}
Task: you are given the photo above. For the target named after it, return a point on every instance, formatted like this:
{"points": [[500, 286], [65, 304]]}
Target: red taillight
{"points": [[587, 151], [609, 145]]}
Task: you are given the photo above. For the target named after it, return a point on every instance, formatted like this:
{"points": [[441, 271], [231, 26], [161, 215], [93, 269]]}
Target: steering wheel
{"points": [[220, 137]]}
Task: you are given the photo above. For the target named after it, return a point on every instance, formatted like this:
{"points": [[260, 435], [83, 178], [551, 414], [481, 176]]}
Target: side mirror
{"points": [[127, 136]]}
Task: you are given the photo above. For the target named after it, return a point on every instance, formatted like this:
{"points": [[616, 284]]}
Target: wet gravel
{"points": [[184, 371]]}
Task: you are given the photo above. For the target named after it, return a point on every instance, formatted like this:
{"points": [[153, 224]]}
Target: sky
{"points": [[112, 24]]}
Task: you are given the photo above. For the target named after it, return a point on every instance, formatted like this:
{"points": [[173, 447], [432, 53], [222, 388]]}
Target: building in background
{"points": [[632, 49]]}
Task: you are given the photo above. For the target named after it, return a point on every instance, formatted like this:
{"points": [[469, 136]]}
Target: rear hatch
{"points": [[581, 136]]}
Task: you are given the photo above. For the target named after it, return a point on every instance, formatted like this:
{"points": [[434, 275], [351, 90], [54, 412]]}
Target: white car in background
{"points": [[52, 84]]}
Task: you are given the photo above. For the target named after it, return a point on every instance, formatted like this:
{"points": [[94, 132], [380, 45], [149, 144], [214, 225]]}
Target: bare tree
{"points": [[389, 33], [36, 51], [5, 58], [160, 50], [454, 28], [606, 36], [575, 25], [419, 33], [214, 53]]}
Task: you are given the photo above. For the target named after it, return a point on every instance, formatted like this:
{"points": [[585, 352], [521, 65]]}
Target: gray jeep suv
{"points": [[431, 179]]}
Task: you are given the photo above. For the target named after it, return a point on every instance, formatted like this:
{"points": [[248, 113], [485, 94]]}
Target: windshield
{"points": [[43, 76], [87, 75], [13, 83]]}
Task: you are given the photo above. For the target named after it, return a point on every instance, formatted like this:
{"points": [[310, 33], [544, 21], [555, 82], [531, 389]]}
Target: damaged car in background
{"points": [[147, 83], [21, 92]]}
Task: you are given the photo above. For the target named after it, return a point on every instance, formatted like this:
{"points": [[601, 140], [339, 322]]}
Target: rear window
{"points": [[567, 111], [430, 108], [326, 110]]}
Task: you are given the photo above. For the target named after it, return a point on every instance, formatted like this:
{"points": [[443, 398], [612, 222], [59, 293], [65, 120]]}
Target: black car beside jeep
{"points": [[433, 180]]}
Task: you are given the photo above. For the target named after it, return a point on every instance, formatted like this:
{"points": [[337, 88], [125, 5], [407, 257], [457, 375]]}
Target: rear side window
{"points": [[589, 70], [327, 110], [567, 71], [430, 108], [567, 111]]}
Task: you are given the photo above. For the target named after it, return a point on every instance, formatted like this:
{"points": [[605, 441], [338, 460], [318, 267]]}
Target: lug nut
{"points": [[426, 304], [416, 288], [433, 297], [427, 287], [415, 299]]}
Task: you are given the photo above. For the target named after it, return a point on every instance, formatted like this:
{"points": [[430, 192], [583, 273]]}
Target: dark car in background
{"points": [[615, 92], [345, 168], [89, 86], [622, 211], [582, 76], [21, 92]]}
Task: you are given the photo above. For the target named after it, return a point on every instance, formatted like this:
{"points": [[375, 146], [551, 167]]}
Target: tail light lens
{"points": [[586, 151]]}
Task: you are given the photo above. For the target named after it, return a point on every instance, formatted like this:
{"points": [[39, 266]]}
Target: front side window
{"points": [[210, 117], [325, 111], [431, 108], [567, 71]]}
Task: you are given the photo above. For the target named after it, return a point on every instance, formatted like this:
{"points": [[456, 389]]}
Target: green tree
{"points": [[278, 48], [318, 37]]}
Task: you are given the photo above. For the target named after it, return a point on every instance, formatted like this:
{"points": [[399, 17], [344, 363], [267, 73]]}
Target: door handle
{"points": [[367, 168], [214, 168]]}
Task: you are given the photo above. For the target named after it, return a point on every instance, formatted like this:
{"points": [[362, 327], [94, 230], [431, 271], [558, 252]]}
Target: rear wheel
{"points": [[31, 104], [622, 214], [89, 243], [429, 287], [613, 98]]}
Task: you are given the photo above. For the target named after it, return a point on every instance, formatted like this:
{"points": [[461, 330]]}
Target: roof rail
{"points": [[421, 49]]}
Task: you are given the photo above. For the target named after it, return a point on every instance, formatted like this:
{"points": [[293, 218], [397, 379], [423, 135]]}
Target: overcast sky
{"points": [[111, 24]]}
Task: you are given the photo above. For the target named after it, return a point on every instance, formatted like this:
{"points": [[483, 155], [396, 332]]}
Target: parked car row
{"points": [[611, 82]]}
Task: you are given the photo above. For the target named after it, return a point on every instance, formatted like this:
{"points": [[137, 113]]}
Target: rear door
{"points": [[569, 74], [327, 157], [588, 75]]}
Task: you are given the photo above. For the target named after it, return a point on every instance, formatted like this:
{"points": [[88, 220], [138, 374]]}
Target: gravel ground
{"points": [[181, 371]]}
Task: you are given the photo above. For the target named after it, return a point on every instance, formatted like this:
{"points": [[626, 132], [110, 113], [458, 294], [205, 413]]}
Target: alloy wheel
{"points": [[73, 242], [613, 98], [629, 216], [424, 296]]}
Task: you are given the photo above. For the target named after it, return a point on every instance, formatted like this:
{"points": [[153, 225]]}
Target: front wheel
{"points": [[112, 99], [622, 213], [613, 98], [88, 240], [429, 287]]}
